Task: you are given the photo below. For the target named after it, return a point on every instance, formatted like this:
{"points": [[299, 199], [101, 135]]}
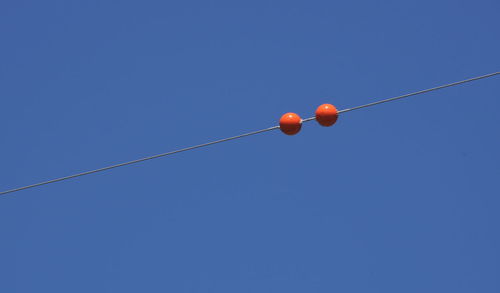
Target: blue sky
{"points": [[401, 197]]}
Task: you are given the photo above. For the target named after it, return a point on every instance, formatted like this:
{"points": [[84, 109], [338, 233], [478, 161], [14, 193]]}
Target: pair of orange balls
{"points": [[326, 115]]}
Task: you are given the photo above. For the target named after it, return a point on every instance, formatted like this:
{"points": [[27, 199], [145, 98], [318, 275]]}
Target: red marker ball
{"points": [[327, 115], [290, 123]]}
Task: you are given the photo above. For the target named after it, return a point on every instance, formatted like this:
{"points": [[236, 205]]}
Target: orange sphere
{"points": [[327, 115], [290, 123]]}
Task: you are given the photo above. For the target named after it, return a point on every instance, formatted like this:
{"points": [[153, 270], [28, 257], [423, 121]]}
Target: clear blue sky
{"points": [[402, 197]]}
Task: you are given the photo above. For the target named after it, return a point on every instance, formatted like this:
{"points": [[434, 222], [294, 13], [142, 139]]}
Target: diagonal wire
{"points": [[412, 94], [420, 92], [241, 135], [139, 160]]}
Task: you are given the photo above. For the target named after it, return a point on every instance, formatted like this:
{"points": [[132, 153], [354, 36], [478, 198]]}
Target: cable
{"points": [[420, 92], [139, 160], [412, 94], [239, 136]]}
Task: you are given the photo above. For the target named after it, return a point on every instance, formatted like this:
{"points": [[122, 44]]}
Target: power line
{"points": [[139, 160], [413, 94], [241, 135], [420, 92]]}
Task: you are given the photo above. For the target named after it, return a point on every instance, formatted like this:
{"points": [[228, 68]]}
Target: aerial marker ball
{"points": [[327, 115], [290, 123]]}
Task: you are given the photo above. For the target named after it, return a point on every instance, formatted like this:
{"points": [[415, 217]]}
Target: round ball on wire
{"points": [[327, 115], [290, 123]]}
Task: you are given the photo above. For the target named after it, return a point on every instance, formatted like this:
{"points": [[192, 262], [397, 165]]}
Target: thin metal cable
{"points": [[240, 136], [139, 160], [420, 92], [411, 94]]}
